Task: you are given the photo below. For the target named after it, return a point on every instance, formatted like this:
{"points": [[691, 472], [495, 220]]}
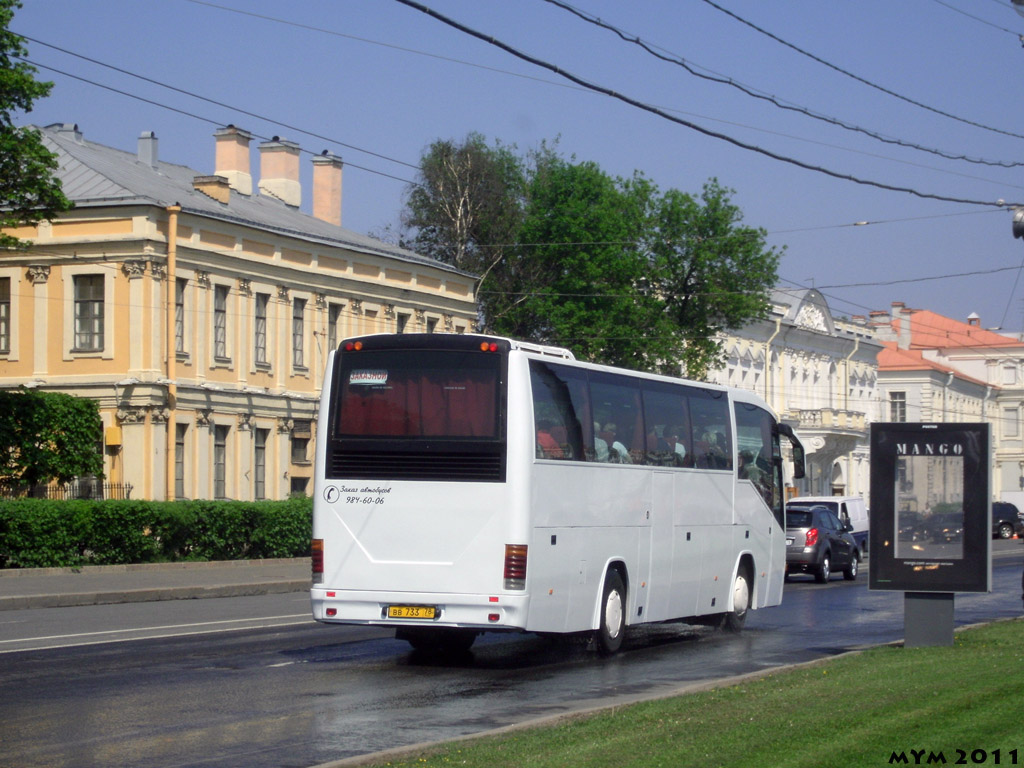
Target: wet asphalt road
{"points": [[302, 694]]}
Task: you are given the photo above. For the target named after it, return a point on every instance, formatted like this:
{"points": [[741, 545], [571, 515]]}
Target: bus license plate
{"points": [[412, 612]]}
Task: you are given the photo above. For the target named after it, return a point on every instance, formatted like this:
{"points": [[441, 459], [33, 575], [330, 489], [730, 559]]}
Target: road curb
{"points": [[154, 594]]}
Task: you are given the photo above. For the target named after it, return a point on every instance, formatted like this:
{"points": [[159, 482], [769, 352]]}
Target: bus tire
{"points": [[612, 621], [742, 595]]}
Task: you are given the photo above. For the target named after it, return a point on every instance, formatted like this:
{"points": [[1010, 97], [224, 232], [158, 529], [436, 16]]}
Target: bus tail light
{"points": [[515, 566], [318, 561], [812, 537]]}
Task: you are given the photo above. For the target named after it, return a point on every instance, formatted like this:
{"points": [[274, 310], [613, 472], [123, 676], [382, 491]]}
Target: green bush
{"points": [[37, 533]]}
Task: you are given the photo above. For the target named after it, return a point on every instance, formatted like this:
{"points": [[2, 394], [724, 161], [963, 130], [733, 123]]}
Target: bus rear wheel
{"points": [[612, 627], [741, 597]]}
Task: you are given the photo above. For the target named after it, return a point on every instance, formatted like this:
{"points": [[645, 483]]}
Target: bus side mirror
{"points": [[798, 461], [798, 450]]}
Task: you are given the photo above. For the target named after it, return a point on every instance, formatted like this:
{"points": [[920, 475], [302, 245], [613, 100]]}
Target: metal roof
{"points": [[94, 175]]}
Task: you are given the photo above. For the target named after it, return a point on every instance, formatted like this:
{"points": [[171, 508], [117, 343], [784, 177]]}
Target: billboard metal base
{"points": [[927, 619]]}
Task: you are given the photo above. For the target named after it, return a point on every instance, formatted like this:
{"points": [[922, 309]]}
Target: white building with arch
{"points": [[820, 373]]}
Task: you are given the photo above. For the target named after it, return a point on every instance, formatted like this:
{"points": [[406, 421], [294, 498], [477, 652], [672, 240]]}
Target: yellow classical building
{"points": [[198, 309]]}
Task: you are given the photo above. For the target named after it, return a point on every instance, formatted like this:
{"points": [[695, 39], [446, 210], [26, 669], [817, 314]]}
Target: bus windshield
{"points": [[418, 394]]}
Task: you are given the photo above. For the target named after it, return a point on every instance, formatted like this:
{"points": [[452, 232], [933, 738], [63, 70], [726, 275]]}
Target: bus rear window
{"points": [[418, 393]]}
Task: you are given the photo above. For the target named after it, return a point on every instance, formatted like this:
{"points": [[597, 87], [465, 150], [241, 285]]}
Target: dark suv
{"points": [[817, 543], [1006, 520]]}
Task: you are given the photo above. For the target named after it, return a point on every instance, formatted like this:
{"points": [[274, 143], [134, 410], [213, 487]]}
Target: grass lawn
{"points": [[961, 705]]}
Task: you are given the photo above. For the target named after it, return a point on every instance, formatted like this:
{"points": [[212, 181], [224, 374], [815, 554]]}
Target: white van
{"points": [[849, 509]]}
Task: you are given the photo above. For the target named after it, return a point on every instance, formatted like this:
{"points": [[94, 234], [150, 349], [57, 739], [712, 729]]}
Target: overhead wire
{"points": [[491, 40], [216, 103], [458, 61], [858, 78], [681, 62], [569, 85], [329, 139], [986, 22], [192, 115]]}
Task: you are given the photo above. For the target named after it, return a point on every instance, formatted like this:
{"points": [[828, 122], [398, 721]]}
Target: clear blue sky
{"points": [[378, 81]]}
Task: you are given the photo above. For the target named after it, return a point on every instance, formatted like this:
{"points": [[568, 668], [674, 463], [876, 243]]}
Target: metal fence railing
{"points": [[81, 489]]}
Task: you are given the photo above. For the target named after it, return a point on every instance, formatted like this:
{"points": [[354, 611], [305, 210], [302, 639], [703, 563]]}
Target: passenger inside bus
{"points": [[600, 444], [548, 446], [618, 452]]}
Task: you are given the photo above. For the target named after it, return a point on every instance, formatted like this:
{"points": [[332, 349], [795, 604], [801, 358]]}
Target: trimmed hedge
{"points": [[40, 533]]}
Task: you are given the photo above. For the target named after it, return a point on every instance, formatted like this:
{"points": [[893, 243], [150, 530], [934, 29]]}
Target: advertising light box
{"points": [[930, 508]]}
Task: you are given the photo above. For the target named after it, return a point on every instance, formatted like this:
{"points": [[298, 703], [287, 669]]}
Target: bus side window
{"points": [[757, 447], [665, 420], [711, 429], [558, 395], [619, 418]]}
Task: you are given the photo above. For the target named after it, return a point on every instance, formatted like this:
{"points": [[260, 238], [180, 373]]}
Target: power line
{"points": [[858, 78], [220, 103], [491, 40], [422, 53], [986, 22], [681, 62], [186, 113]]}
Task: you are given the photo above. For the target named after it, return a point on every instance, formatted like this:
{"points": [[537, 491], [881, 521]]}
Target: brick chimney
{"points": [[901, 315], [232, 160], [327, 187], [279, 171], [148, 149], [215, 187]]}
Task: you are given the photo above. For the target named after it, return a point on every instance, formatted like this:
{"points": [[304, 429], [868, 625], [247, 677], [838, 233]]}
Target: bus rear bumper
{"points": [[403, 609]]}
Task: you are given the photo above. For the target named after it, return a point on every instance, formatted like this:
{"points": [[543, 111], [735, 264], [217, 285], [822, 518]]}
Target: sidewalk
{"points": [[99, 584]]}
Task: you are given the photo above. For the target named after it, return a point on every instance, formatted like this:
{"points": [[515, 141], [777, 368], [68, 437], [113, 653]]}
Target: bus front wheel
{"points": [[612, 627]]}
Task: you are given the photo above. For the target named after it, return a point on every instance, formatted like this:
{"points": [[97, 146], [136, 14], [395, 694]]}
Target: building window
{"points": [[333, 316], [431, 324], [402, 321], [260, 464], [180, 431], [5, 314], [897, 406], [298, 486], [220, 322], [179, 315], [260, 329], [1011, 422], [89, 313], [298, 332], [302, 432], [220, 461], [1009, 374]]}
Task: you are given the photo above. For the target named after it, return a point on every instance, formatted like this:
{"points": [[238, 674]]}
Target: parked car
{"points": [[818, 543], [849, 509], [1006, 520]]}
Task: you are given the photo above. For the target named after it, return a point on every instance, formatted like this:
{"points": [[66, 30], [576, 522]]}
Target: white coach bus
{"points": [[468, 483]]}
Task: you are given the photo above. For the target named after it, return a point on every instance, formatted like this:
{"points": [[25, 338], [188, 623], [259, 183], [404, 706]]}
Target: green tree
{"points": [[610, 268], [466, 209], [29, 191], [580, 263], [712, 273], [48, 436]]}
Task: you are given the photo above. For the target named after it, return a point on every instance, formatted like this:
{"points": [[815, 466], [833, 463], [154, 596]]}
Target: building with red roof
{"points": [[936, 369]]}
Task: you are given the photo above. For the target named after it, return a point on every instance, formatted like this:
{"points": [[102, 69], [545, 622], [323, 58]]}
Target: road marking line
{"points": [[155, 629]]}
